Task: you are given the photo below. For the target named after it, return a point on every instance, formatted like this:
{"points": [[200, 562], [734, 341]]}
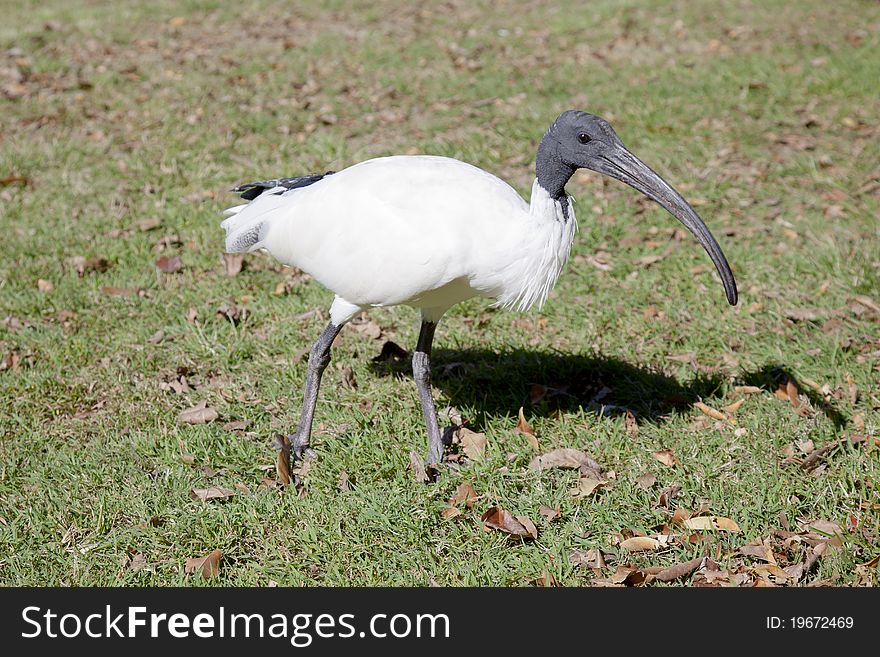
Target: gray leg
{"points": [[318, 360], [421, 364]]}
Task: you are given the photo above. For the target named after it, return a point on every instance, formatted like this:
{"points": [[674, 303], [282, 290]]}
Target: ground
{"points": [[123, 125]]}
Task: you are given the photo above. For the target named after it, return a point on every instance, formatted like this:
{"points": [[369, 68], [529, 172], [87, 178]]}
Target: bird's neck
{"points": [[542, 247], [552, 173]]}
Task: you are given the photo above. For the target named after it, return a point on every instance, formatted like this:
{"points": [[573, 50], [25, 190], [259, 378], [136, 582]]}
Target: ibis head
{"points": [[578, 140]]}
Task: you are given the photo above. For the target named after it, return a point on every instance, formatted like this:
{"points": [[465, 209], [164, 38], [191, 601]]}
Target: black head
{"points": [[578, 140]]}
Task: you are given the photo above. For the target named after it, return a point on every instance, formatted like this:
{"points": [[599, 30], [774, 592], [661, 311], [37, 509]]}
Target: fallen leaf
{"points": [[678, 570], [747, 390], [549, 514], [590, 558], [13, 180], [472, 443], [450, 512], [503, 520], [546, 580], [169, 264], [464, 493], [523, 427], [569, 458], [201, 413], [585, 487], [138, 562], [719, 523], [243, 488], [666, 457], [418, 467], [734, 407], [348, 380], [646, 480], [120, 291], [282, 461], [212, 493], [233, 263], [632, 425], [208, 566], [236, 425], [806, 314], [640, 544], [369, 329], [709, 411], [342, 482], [45, 286], [145, 225]]}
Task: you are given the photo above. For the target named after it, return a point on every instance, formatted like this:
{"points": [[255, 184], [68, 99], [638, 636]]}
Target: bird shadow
{"points": [[549, 382], [772, 377]]}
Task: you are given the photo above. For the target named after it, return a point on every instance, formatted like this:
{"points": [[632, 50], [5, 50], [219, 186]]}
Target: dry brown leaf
{"points": [[450, 512], [678, 570], [233, 262], [734, 407], [120, 291], [145, 225], [472, 443], [709, 411], [718, 523], [201, 413], [567, 457], [13, 180], [523, 427], [208, 566], [546, 580], [747, 390], [585, 487], [526, 522], [417, 465], [169, 264], [464, 493], [369, 329], [640, 544], [348, 380], [548, 513], [239, 486], [646, 480], [503, 520], [632, 425], [666, 457], [212, 493], [342, 482], [236, 425], [590, 558], [282, 461], [44, 286], [138, 562]]}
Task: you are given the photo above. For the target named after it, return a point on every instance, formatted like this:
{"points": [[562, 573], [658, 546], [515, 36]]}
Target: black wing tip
{"points": [[252, 190]]}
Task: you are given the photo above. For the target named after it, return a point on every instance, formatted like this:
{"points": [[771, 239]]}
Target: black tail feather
{"points": [[250, 191]]}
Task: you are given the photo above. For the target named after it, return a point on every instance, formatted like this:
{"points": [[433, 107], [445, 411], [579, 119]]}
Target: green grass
{"points": [[764, 113]]}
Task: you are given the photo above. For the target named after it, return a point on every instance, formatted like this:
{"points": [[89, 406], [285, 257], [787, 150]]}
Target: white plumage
{"points": [[424, 231]]}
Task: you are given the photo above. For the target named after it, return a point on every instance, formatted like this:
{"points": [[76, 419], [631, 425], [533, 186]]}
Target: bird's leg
{"points": [[319, 357], [421, 364]]}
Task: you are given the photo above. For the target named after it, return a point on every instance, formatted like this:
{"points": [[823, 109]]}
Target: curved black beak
{"points": [[616, 161]]}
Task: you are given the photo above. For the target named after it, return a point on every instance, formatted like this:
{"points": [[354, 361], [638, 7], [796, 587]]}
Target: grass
{"points": [[762, 113]]}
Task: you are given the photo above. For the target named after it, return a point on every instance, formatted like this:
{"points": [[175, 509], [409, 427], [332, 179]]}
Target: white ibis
{"points": [[430, 232]]}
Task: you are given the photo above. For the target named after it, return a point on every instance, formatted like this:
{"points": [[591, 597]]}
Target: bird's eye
{"points": [[584, 138]]}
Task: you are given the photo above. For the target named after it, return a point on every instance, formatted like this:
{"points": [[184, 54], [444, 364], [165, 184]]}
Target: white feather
{"points": [[418, 230]]}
